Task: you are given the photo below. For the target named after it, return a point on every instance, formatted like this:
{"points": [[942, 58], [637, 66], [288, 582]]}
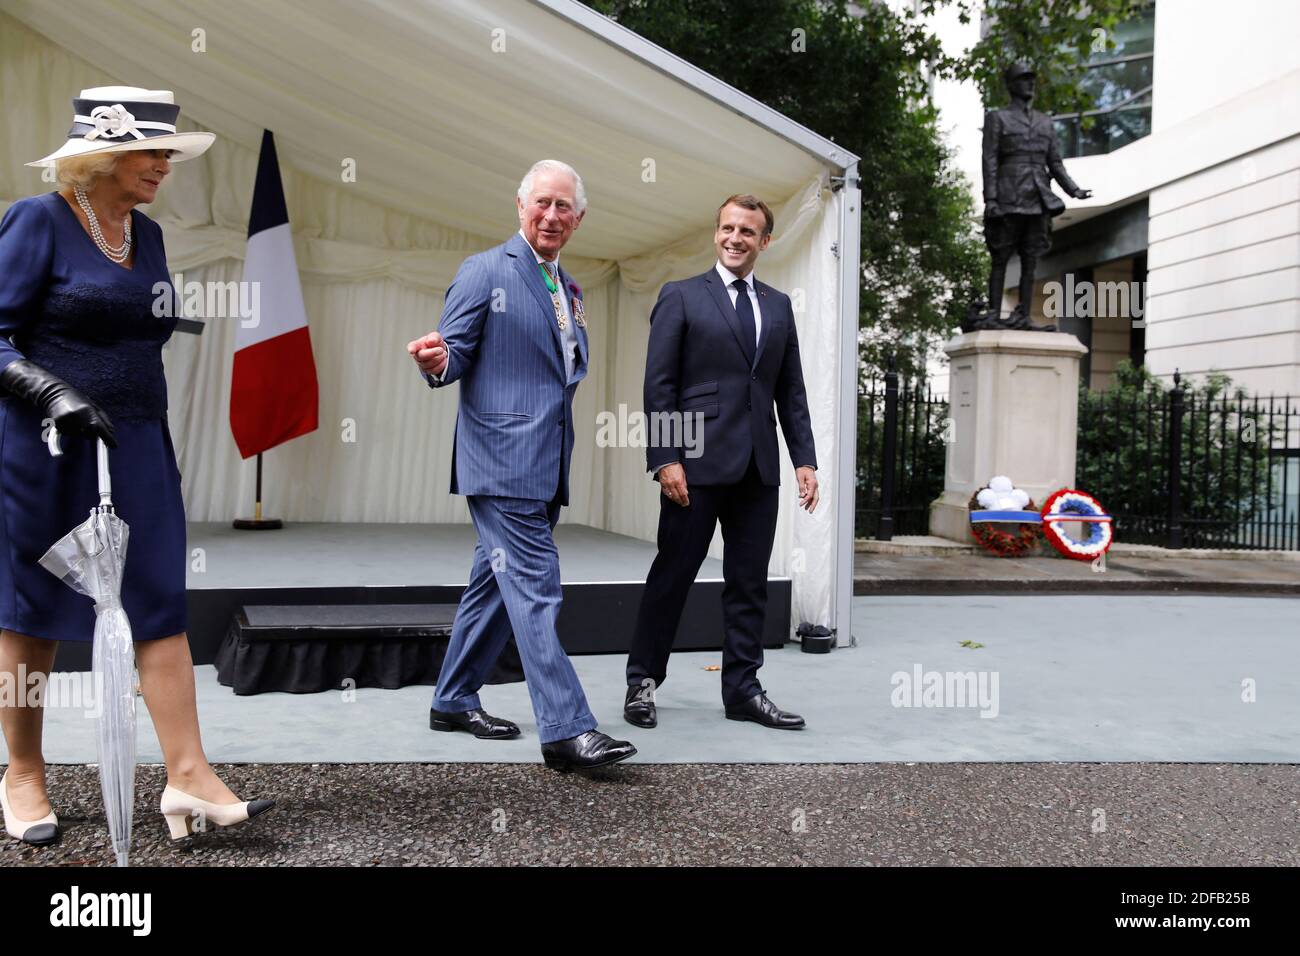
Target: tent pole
{"points": [[846, 459]]}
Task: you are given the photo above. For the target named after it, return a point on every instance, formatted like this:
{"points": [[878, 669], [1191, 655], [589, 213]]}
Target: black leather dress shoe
{"points": [[639, 707], [585, 752], [762, 711], [477, 722]]}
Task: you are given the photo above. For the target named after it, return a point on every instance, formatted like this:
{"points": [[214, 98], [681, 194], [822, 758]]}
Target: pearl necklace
{"points": [[118, 254]]}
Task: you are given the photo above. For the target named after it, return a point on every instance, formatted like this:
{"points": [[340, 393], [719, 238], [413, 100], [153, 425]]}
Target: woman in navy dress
{"points": [[81, 272]]}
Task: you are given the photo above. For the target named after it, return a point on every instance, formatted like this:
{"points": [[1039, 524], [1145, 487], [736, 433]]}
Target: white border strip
{"points": [[847, 440]]}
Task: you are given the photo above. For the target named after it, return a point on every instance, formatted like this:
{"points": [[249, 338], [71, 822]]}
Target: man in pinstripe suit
{"points": [[513, 334]]}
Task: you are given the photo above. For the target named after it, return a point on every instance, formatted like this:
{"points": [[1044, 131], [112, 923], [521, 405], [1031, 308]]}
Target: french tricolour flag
{"points": [[273, 391]]}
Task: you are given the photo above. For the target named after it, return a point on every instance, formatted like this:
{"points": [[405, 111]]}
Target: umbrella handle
{"points": [[105, 481]]}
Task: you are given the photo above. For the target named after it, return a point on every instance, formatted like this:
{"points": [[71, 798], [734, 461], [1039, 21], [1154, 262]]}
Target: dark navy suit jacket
{"points": [[698, 361]]}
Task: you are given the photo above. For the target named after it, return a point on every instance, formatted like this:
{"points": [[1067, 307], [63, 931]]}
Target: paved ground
{"points": [[1180, 678], [887, 814], [924, 565], [1153, 679]]}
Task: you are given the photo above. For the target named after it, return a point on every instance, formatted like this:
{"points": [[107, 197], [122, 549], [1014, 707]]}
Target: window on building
{"points": [[1120, 80]]}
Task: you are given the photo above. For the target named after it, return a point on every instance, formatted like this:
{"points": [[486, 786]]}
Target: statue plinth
{"points": [[1014, 408]]}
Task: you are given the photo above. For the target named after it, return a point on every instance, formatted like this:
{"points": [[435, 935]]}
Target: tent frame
{"points": [[843, 174]]}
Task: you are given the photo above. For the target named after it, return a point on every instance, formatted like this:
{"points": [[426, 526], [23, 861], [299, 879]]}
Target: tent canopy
{"points": [[436, 106], [437, 102]]}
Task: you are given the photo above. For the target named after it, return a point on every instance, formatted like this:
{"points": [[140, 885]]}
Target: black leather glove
{"points": [[72, 412]]}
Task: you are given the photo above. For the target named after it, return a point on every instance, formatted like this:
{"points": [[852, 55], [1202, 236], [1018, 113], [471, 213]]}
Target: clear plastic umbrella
{"points": [[90, 559]]}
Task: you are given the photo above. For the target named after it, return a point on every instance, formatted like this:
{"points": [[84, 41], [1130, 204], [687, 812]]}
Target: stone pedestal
{"points": [[1014, 404]]}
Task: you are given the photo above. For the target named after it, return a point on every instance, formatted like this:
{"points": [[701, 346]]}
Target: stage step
{"points": [[277, 622], [309, 648]]}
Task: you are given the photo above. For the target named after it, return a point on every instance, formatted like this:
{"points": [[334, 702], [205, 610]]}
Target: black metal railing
{"points": [[901, 431], [1180, 467], [1187, 468]]}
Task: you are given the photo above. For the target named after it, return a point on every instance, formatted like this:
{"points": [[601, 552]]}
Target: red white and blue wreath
{"points": [[1072, 505]]}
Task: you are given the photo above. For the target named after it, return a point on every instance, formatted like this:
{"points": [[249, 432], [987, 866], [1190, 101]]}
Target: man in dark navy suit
{"points": [[723, 348]]}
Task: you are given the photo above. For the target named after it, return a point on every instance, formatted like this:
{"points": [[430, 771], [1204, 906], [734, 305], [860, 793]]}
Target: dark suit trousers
{"points": [[747, 511]]}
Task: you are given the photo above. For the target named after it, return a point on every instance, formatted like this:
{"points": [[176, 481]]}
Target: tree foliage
{"points": [[1225, 461], [860, 77], [1052, 36]]}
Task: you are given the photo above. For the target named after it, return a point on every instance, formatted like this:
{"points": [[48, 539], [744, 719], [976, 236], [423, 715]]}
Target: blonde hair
{"points": [[84, 170]]}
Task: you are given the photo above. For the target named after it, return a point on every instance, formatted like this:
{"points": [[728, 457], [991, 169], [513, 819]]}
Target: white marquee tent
{"points": [[439, 106]]}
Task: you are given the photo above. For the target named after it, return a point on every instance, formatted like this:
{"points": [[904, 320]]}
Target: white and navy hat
{"points": [[109, 119]]}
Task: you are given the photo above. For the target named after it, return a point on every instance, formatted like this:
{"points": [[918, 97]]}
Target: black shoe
{"points": [[585, 752], [639, 706], [478, 722], [762, 711]]}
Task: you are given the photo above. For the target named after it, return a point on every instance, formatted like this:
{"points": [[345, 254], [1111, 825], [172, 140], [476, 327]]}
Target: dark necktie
{"points": [[745, 310]]}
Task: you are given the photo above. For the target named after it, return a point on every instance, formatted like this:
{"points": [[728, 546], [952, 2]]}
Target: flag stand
{"points": [[257, 522]]}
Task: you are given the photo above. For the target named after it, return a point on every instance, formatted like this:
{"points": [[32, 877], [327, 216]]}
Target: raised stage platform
{"points": [[385, 564]]}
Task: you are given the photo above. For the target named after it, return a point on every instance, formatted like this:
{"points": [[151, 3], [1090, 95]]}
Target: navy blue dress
{"points": [[65, 307]]}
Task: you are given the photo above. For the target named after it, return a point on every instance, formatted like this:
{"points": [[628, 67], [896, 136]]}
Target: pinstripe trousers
{"points": [[514, 586]]}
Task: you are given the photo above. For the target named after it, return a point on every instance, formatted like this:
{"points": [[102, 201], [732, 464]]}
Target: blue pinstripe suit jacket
{"points": [[514, 427]]}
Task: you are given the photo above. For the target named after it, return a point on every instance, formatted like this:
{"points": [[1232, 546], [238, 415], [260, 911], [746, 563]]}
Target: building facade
{"points": [[1187, 256]]}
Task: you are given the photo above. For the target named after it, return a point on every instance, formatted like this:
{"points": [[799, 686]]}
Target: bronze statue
{"points": [[1019, 152]]}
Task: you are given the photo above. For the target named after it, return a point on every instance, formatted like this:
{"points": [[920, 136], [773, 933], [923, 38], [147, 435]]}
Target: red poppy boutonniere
{"points": [[578, 316]]}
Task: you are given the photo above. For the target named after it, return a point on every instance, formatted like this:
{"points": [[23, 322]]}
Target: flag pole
{"points": [[274, 394], [257, 522]]}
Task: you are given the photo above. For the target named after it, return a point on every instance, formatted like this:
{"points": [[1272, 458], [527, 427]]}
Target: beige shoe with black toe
{"points": [[40, 832]]}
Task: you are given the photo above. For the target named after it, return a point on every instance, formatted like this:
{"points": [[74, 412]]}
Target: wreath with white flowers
{"points": [[1004, 519]]}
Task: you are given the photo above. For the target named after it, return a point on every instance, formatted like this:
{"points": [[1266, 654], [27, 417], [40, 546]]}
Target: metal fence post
{"points": [[1176, 463], [885, 531]]}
